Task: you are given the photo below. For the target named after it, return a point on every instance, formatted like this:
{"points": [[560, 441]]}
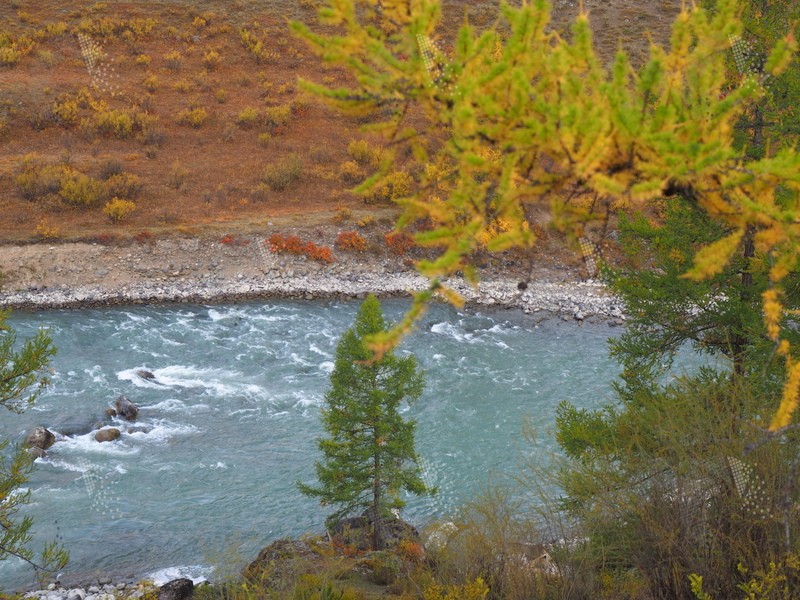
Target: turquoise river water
{"points": [[206, 475]]}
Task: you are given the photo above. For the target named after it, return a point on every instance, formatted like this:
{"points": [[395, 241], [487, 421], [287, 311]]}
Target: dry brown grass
{"points": [[213, 68]]}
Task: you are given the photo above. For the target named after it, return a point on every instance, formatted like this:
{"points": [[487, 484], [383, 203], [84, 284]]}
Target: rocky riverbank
{"points": [[201, 270]]}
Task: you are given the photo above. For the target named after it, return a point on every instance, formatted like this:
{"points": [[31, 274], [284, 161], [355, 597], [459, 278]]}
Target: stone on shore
{"points": [[40, 438], [125, 408], [107, 435], [177, 589]]}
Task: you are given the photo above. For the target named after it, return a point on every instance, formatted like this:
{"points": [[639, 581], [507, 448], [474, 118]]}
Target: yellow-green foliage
{"points": [[182, 86], [150, 83], [56, 29], [247, 117], [474, 590], [11, 51], [47, 57], [397, 184], [351, 173], [67, 111], [253, 44], [123, 185], [112, 122], [78, 189], [364, 153], [36, 179], [173, 60], [221, 95], [143, 60], [105, 27], [193, 117], [118, 209], [280, 175], [211, 60], [277, 115]]}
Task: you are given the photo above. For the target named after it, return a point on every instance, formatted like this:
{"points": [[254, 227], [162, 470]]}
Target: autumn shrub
{"points": [[150, 83], [351, 241], [143, 237], [364, 153], [276, 116], [292, 244], [143, 60], [118, 209], [260, 193], [35, 179], [396, 184], [232, 240], [110, 167], [351, 173], [247, 117], [173, 61], [253, 44], [342, 214], [48, 231], [114, 123], [192, 117], [124, 185], [399, 242], [81, 190], [280, 175], [211, 60]]}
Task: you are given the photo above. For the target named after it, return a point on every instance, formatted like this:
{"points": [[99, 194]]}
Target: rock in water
{"points": [[177, 589], [107, 435], [147, 375], [40, 438], [125, 408], [111, 413]]}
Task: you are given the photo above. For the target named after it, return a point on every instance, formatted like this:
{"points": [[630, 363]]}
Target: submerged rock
{"points": [[125, 408], [41, 438], [107, 435], [146, 375]]}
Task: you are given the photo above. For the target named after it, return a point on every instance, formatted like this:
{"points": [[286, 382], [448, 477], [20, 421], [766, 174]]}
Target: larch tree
{"points": [[23, 372], [368, 453], [519, 117]]}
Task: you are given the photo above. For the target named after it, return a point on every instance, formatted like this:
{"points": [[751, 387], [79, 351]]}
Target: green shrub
{"points": [[211, 60], [36, 179], [124, 185], [78, 189], [193, 117], [150, 83], [116, 123], [173, 61], [247, 117], [277, 116], [363, 152], [351, 173], [118, 209], [280, 175]]}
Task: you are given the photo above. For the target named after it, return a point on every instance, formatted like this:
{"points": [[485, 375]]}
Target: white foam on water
{"points": [[451, 331], [197, 573], [130, 375], [82, 467], [86, 444], [161, 432], [315, 348], [326, 367], [298, 360], [169, 405]]}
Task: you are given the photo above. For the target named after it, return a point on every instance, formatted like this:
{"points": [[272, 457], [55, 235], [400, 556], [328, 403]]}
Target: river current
{"points": [[206, 475]]}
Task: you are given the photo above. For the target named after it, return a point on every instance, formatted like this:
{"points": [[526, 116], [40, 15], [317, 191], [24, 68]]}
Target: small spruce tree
{"points": [[368, 454], [22, 369]]}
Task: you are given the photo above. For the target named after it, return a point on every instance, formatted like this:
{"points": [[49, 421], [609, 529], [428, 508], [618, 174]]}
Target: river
{"points": [[206, 475]]}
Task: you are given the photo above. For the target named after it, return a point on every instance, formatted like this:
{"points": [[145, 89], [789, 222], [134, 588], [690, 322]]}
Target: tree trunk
{"points": [[377, 541]]}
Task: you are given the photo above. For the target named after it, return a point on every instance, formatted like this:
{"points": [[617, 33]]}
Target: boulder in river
{"points": [[107, 435], [146, 375], [41, 438], [111, 413], [125, 408], [177, 589]]}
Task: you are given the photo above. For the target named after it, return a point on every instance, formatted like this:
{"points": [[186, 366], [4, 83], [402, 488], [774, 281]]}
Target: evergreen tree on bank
{"points": [[22, 369], [368, 454]]}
